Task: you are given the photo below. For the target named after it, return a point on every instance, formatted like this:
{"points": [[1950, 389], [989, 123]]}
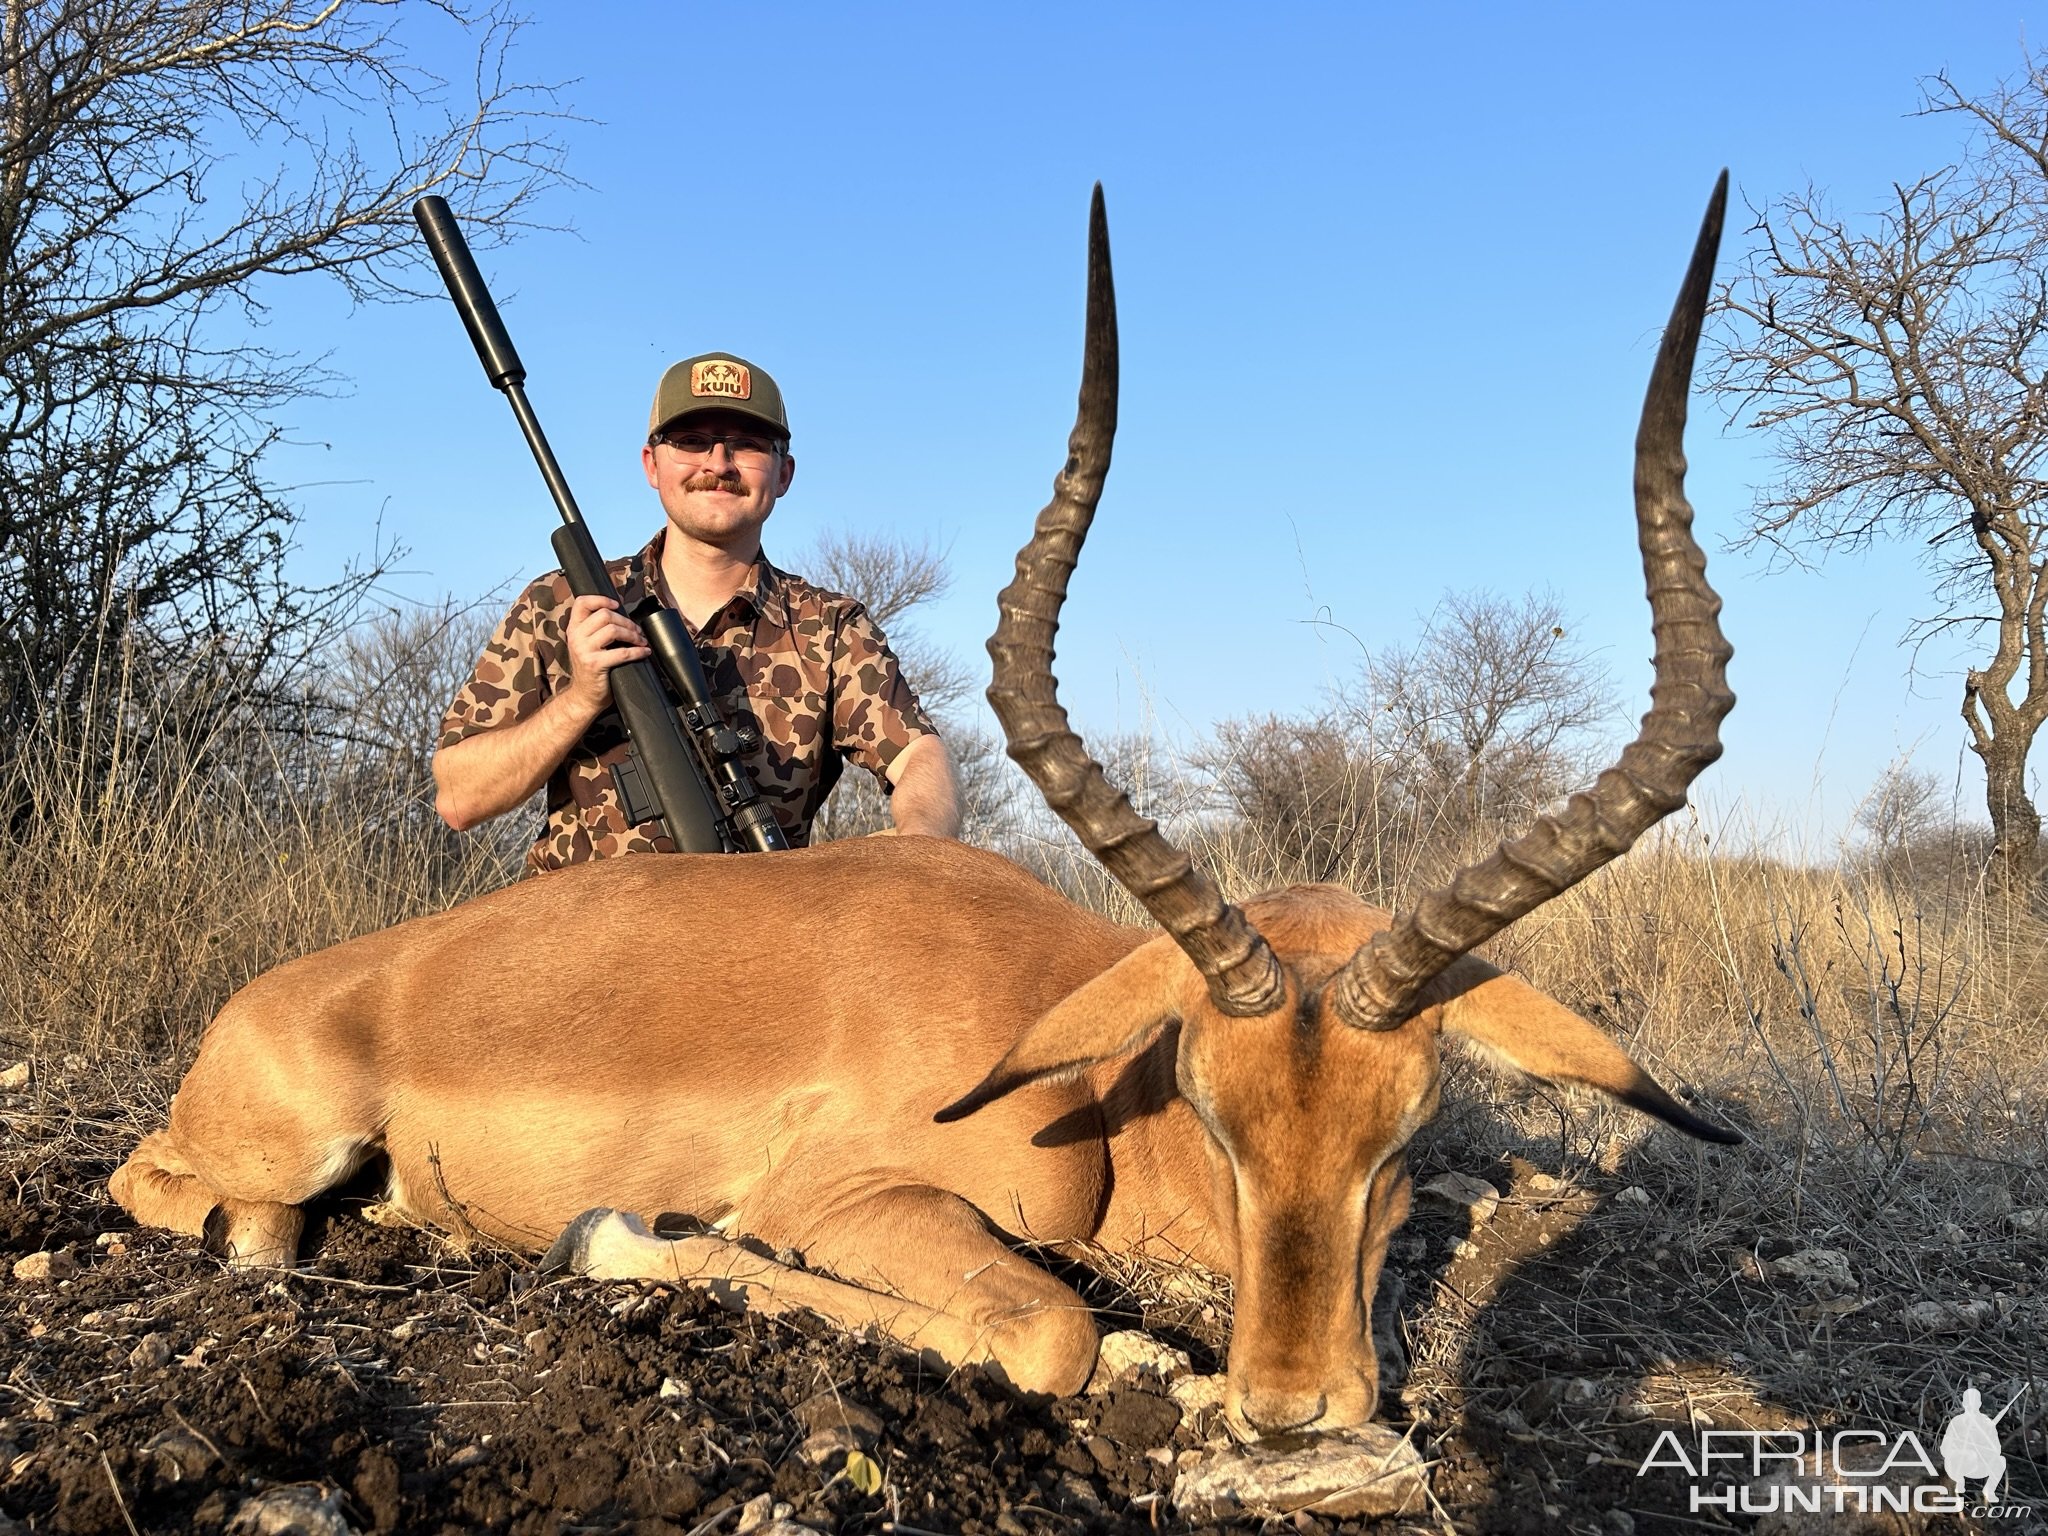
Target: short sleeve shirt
{"points": [[806, 668]]}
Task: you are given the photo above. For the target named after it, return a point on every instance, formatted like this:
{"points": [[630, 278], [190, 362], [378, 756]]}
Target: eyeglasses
{"points": [[748, 450]]}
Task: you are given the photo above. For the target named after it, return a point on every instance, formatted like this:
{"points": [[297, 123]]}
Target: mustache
{"points": [[705, 480]]}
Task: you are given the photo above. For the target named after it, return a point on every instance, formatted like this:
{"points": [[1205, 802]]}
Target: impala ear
{"points": [[1120, 1011], [1511, 1020]]}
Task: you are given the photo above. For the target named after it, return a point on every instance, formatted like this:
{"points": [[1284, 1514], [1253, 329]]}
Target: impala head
{"points": [[1306, 1022]]}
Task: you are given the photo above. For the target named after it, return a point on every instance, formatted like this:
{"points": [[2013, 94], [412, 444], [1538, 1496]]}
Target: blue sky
{"points": [[1390, 281]]}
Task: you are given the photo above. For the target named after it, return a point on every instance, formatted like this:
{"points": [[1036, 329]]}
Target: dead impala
{"points": [[1238, 1088]]}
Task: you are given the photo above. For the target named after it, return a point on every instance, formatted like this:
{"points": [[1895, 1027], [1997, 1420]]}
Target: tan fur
{"points": [[605, 1036]]}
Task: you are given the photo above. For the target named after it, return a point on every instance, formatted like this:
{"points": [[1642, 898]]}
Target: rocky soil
{"points": [[392, 1384]]}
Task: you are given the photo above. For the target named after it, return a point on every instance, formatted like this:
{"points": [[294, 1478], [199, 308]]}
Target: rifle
{"points": [[700, 791]]}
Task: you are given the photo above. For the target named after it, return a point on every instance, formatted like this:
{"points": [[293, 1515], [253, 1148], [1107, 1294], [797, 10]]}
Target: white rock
{"points": [[1127, 1352], [1365, 1471], [296, 1511], [673, 1390], [1194, 1393], [1545, 1183], [14, 1077], [1826, 1269], [150, 1351], [47, 1265], [755, 1513], [1461, 1189], [1635, 1194]]}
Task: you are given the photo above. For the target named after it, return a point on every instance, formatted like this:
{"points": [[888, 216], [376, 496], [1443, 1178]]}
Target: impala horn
{"points": [[1679, 736], [1244, 977]]}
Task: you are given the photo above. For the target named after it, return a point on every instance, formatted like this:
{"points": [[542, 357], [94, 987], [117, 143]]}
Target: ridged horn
{"points": [[1243, 976], [1679, 736]]}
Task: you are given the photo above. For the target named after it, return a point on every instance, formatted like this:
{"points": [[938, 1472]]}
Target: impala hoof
{"points": [[569, 1254]]}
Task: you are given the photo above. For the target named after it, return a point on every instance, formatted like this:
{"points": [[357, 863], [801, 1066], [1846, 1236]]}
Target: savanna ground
{"points": [[1873, 1249]]}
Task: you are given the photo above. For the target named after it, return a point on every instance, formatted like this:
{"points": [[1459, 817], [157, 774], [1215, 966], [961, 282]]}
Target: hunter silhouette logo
{"points": [[1970, 1448], [721, 380]]}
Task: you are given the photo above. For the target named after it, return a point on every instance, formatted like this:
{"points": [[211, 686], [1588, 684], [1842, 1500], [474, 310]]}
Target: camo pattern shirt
{"points": [[806, 668]]}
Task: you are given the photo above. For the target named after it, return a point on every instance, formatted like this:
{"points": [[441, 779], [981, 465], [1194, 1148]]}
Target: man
{"points": [[804, 673]]}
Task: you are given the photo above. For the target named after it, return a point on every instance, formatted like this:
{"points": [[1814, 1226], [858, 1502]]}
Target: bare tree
{"points": [[1307, 795], [1490, 714], [160, 160], [1898, 363]]}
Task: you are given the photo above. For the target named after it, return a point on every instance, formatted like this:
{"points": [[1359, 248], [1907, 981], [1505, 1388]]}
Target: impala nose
{"points": [[1272, 1412]]}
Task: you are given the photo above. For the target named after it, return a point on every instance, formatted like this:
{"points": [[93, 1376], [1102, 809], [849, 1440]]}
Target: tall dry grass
{"points": [[146, 879]]}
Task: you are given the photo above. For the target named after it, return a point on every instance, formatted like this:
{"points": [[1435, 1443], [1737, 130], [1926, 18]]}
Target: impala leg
{"points": [[971, 1300], [159, 1187], [616, 1245], [932, 1247]]}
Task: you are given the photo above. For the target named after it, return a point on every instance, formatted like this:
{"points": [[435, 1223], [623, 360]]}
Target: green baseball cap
{"points": [[717, 381]]}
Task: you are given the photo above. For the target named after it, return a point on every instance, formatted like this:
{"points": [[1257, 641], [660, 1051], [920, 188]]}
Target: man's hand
{"points": [[599, 637], [497, 770]]}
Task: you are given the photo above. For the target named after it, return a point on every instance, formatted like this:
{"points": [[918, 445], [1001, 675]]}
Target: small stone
{"points": [[856, 1426], [755, 1513], [404, 1332], [1545, 1184], [1195, 1393], [294, 1511], [823, 1446], [179, 1455], [1074, 1493], [673, 1391], [151, 1351], [1464, 1248], [1475, 1196], [1824, 1269], [1582, 1389], [1369, 1470], [1621, 1522], [48, 1265], [467, 1456], [13, 1078], [1127, 1352], [1950, 1316], [1635, 1194], [2030, 1221]]}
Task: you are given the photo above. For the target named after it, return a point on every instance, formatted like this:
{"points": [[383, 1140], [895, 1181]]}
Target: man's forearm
{"points": [[498, 770], [924, 795]]}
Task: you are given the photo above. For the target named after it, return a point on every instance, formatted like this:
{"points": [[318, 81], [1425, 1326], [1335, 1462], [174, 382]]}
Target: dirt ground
{"points": [[1534, 1360]]}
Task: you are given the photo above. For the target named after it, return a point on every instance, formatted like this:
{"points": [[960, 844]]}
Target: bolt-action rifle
{"points": [[686, 772]]}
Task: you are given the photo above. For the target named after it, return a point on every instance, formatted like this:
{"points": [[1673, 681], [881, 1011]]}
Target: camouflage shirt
{"points": [[806, 668]]}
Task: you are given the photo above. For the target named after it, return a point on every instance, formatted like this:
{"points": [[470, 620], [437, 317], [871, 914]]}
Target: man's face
{"points": [[722, 493]]}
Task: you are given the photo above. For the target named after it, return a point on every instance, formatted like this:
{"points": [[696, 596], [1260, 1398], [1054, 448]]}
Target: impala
{"points": [[929, 1058]]}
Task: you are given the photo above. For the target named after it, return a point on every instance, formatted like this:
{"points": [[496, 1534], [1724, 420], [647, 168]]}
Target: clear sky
{"points": [[1390, 281]]}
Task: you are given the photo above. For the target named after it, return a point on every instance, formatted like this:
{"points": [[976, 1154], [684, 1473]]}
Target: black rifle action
{"points": [[701, 792]]}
